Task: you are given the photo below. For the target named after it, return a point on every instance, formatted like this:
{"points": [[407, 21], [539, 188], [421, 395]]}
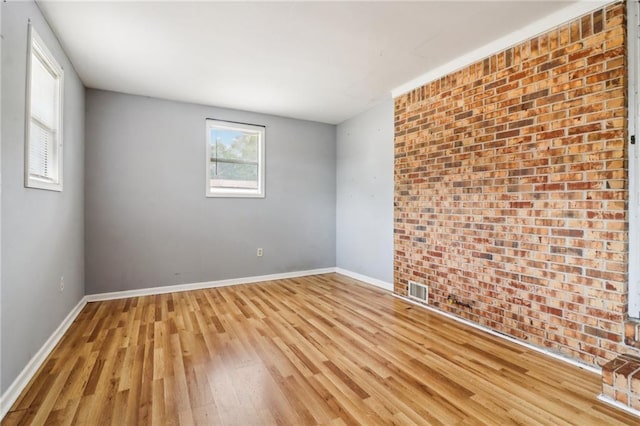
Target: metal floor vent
{"points": [[418, 292]]}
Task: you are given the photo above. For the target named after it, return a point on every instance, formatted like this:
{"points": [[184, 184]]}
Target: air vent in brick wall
{"points": [[418, 292]]}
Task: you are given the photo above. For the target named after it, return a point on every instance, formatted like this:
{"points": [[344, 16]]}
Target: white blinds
{"points": [[44, 93], [44, 154], [40, 140]]}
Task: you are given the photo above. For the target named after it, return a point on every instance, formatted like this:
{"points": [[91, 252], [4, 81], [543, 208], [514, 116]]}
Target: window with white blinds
{"points": [[43, 153]]}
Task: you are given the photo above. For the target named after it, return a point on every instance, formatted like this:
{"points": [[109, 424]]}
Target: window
{"points": [[235, 159], [43, 132]]}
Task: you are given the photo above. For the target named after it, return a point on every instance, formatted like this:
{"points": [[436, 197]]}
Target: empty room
{"points": [[331, 212]]}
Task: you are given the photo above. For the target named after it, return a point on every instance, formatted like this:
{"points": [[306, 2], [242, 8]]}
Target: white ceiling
{"points": [[321, 61]]}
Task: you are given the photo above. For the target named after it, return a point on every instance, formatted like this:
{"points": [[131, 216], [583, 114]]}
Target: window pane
{"points": [[44, 93], [234, 145], [234, 175]]}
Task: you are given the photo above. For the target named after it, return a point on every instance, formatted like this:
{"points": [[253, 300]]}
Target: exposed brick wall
{"points": [[511, 189]]}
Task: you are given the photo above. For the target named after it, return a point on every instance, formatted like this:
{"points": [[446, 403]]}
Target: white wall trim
{"points": [[369, 280], [619, 405], [13, 392], [571, 361], [540, 26], [202, 285], [633, 62]]}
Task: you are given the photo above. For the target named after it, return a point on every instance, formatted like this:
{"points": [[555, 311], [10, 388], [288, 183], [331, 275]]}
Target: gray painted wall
{"points": [[42, 231], [364, 198], [148, 222]]}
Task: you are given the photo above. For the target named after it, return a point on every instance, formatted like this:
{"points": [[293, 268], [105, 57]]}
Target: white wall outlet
{"points": [[61, 284], [259, 252]]}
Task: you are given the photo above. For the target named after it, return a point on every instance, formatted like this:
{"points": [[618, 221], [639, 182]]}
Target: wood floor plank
{"points": [[324, 349]]}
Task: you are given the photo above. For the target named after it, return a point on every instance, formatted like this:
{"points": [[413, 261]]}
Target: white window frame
{"points": [[37, 47], [235, 192], [633, 23]]}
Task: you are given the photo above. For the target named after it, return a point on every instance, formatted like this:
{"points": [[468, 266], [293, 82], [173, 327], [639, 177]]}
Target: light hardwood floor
{"points": [[324, 349]]}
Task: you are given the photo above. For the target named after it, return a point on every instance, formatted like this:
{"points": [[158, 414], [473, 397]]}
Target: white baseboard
{"points": [[369, 280], [619, 405], [13, 392], [207, 284], [567, 360]]}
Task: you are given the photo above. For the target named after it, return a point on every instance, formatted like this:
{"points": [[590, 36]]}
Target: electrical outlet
{"points": [[61, 284], [259, 252]]}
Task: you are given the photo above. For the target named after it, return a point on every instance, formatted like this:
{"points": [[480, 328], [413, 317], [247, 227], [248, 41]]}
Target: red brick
{"points": [[609, 368], [634, 383], [608, 391], [622, 397], [622, 375], [630, 330]]}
